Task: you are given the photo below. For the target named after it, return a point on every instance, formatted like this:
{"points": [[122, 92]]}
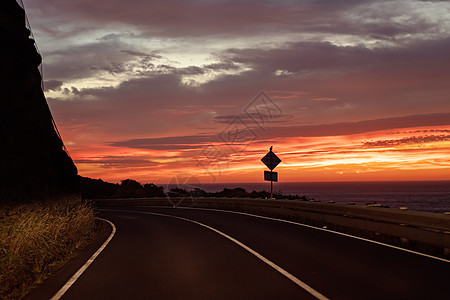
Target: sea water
{"points": [[431, 196]]}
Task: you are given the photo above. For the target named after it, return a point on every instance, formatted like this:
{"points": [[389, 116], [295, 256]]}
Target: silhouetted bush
{"points": [[198, 193], [151, 190], [130, 188], [232, 193], [96, 188], [259, 194]]}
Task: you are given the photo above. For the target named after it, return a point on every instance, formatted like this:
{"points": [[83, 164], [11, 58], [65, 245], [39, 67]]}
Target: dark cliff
{"points": [[33, 163]]}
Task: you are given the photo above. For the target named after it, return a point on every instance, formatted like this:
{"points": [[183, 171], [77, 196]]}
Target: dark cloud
{"points": [[168, 143], [253, 119], [407, 141], [83, 61], [404, 72], [192, 70], [227, 119], [367, 84], [53, 85], [192, 142], [118, 162], [426, 62], [112, 68], [347, 128], [433, 0], [190, 18], [360, 78], [326, 57], [180, 17], [141, 54], [226, 65], [86, 60]]}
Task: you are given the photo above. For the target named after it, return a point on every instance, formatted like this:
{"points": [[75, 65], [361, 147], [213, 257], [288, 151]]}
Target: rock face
{"points": [[33, 163]]}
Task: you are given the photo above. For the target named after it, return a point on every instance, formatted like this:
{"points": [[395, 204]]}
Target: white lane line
{"points": [[318, 228], [259, 256], [74, 278]]}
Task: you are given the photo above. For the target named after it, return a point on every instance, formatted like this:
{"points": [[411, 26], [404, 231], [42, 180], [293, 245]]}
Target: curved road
{"points": [[168, 253]]}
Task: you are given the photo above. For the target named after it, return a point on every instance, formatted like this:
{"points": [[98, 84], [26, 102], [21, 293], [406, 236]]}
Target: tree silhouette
{"points": [[130, 188], [96, 188], [151, 190]]}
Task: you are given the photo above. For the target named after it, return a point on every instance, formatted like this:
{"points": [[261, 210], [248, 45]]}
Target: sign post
{"points": [[271, 161]]}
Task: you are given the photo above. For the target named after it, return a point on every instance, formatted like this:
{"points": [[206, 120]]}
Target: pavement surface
{"points": [[176, 253]]}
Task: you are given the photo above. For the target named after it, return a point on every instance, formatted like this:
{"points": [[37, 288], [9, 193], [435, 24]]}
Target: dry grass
{"points": [[35, 239]]}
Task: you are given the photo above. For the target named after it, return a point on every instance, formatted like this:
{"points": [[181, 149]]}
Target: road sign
{"points": [[271, 160], [270, 176]]}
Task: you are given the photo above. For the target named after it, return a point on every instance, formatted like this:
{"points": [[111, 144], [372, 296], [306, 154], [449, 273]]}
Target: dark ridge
{"points": [[34, 164], [129, 188]]}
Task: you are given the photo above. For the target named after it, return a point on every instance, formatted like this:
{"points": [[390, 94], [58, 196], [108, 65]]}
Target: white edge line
{"points": [[323, 229], [291, 277], [312, 227], [74, 278]]}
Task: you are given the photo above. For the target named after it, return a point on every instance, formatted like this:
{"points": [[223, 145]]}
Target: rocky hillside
{"points": [[33, 163]]}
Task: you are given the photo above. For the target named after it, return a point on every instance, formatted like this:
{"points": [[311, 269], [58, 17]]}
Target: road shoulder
{"points": [[51, 285]]}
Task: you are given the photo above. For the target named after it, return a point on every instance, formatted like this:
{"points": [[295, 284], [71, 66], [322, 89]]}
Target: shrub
{"points": [[36, 238]]}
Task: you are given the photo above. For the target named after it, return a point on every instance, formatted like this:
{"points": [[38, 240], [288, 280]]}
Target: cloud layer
{"points": [[125, 78]]}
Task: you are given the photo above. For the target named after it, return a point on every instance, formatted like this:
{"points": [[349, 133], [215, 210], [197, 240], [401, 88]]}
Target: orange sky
{"points": [[353, 90], [421, 153]]}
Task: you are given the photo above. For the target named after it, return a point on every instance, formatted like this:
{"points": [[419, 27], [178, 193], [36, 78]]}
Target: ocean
{"points": [[431, 196]]}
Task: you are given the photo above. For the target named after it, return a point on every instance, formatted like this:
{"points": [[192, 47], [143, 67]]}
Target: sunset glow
{"points": [[404, 154], [352, 91]]}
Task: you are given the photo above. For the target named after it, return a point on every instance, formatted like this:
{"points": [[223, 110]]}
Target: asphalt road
{"points": [[156, 256]]}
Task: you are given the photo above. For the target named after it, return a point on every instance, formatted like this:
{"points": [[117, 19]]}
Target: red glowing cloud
{"points": [[152, 90]]}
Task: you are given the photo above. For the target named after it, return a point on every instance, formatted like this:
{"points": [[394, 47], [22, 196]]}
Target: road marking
{"points": [[318, 228], [74, 278], [259, 256], [312, 227]]}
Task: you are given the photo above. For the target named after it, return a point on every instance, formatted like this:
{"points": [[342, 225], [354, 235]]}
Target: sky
{"points": [[179, 90]]}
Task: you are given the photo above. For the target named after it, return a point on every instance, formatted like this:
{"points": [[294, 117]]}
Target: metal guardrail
{"points": [[423, 227], [426, 220]]}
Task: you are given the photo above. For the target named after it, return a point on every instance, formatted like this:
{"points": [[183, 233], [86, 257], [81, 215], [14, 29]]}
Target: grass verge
{"points": [[37, 238]]}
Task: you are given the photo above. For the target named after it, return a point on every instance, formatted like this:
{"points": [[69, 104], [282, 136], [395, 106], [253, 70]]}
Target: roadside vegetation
{"points": [[37, 238], [129, 188]]}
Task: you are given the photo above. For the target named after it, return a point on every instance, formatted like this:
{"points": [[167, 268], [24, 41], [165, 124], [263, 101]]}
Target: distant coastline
{"points": [[431, 196]]}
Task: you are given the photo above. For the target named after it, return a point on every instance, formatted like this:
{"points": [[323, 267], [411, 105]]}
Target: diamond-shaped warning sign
{"points": [[271, 160]]}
